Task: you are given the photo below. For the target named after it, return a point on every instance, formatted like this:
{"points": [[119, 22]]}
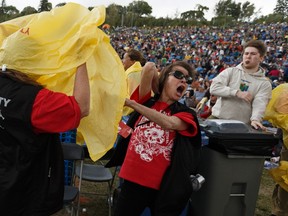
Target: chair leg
{"points": [[110, 185], [68, 209], [78, 205], [74, 210]]}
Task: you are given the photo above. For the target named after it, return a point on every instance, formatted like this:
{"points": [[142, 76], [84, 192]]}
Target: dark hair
{"points": [[259, 45], [19, 77], [165, 72], [136, 55]]}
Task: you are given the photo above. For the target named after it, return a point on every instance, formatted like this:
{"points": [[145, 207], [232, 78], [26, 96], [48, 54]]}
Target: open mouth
{"points": [[180, 90]]}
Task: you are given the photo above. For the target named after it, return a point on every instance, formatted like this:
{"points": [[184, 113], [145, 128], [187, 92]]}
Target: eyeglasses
{"points": [[179, 75]]}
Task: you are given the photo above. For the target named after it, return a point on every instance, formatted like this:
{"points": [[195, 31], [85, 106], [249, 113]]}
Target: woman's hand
{"points": [[149, 66], [129, 102]]}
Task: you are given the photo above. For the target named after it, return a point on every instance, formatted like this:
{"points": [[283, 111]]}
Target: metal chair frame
{"points": [[74, 153], [99, 174]]}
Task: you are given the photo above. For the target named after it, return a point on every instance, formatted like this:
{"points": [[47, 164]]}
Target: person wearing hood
{"points": [[243, 91]]}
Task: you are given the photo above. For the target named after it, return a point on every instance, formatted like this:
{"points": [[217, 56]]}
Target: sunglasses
{"points": [[179, 75]]}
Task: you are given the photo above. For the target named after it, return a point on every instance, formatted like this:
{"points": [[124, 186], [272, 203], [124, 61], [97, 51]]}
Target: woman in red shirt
{"points": [[149, 151]]}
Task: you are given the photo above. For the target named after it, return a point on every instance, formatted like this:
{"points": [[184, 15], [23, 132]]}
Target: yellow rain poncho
{"points": [[50, 45], [133, 77], [277, 113]]}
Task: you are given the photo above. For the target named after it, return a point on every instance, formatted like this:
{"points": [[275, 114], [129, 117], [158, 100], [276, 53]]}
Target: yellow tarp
{"points": [[277, 113], [50, 46], [280, 174], [277, 109]]}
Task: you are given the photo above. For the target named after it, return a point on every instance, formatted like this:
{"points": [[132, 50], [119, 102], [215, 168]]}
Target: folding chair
{"points": [[75, 154], [99, 174]]}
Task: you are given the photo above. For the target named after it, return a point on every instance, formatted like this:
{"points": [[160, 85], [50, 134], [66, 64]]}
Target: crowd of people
{"points": [[162, 65], [227, 63], [209, 50]]}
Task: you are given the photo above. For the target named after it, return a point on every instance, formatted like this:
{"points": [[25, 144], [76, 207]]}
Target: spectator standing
{"points": [[133, 60], [206, 111], [274, 73], [31, 162], [199, 93], [188, 98], [243, 91]]}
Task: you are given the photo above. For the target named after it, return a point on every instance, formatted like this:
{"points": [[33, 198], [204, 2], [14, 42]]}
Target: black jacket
{"points": [[176, 187], [31, 165]]}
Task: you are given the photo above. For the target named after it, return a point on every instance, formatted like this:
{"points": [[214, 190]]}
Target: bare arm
{"points": [[149, 80], [81, 90], [155, 82], [166, 122]]}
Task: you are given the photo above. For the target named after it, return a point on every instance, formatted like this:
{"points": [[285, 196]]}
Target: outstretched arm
{"points": [[166, 122]]}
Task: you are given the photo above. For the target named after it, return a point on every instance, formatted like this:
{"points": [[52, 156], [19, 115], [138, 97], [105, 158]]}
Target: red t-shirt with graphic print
{"points": [[150, 146]]}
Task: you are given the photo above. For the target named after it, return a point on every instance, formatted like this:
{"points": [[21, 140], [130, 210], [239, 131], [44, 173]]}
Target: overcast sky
{"points": [[161, 8]]}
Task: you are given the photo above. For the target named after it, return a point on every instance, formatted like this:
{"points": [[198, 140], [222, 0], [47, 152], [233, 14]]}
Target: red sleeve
{"points": [[192, 130], [54, 112], [135, 96], [206, 112]]}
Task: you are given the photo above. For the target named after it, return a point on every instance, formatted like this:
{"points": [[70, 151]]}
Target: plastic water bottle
{"points": [[270, 165]]}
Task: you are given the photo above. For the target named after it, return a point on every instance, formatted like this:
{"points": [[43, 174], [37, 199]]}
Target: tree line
{"points": [[138, 13]]}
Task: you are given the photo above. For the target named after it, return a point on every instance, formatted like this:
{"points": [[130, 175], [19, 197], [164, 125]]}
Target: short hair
{"points": [[168, 69], [136, 55], [258, 44]]}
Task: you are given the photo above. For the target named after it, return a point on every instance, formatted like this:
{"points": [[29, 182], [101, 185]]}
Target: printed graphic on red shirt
{"points": [[150, 140]]}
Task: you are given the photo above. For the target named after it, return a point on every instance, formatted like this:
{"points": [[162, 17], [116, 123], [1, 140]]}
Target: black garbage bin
{"points": [[232, 165]]}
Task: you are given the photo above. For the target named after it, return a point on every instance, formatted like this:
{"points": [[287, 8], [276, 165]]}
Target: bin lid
{"points": [[234, 129], [226, 126], [237, 138]]}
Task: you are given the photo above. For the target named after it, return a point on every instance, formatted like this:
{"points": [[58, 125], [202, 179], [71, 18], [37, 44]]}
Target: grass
{"points": [[264, 201], [97, 205]]}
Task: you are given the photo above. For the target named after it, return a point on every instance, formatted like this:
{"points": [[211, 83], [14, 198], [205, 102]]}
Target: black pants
{"points": [[133, 199]]}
